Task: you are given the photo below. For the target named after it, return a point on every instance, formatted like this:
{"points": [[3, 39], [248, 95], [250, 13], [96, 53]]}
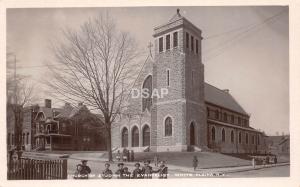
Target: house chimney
{"points": [[48, 103], [226, 90]]}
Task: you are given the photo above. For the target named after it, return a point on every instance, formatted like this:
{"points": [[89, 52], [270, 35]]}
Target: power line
{"points": [[237, 29], [240, 36]]}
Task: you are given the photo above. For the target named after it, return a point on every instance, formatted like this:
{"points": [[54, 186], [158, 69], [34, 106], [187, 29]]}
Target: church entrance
{"points": [[192, 133]]}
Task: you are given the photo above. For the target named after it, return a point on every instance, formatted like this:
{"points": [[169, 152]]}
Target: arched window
{"points": [[168, 126], [247, 138], [147, 87], [232, 136], [125, 137], [240, 137], [213, 134], [192, 133], [135, 137], [146, 135], [223, 135], [27, 138]]}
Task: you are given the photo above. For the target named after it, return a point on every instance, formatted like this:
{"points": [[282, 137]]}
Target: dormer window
{"points": [[175, 39], [168, 42], [161, 44]]}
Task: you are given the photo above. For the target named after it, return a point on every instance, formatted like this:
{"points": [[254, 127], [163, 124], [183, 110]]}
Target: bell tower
{"points": [[179, 118]]}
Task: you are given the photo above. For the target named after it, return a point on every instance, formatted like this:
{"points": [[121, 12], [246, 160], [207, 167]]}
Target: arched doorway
{"points": [[146, 135], [135, 137], [192, 133], [125, 137]]}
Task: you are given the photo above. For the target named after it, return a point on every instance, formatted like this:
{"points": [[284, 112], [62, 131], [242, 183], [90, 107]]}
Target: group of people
{"points": [[144, 172], [126, 155]]}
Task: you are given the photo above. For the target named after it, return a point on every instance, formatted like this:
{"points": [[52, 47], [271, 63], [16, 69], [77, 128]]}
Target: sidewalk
{"points": [[181, 169]]}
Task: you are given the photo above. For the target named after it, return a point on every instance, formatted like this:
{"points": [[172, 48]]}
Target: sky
{"points": [[245, 49]]}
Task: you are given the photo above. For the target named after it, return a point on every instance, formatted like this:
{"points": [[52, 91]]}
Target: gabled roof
{"points": [[221, 98]]}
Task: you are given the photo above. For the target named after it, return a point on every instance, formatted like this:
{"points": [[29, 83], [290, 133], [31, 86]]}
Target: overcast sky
{"points": [[245, 49]]}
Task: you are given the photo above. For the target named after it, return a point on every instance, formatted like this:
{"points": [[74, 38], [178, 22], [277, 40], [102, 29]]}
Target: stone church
{"points": [[193, 115]]}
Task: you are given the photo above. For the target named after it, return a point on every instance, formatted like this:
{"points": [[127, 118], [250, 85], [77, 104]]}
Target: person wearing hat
{"points": [[107, 173], [147, 170], [82, 170], [137, 172], [162, 171], [120, 171], [126, 173]]}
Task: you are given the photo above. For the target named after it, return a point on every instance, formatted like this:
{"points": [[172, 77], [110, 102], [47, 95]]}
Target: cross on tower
{"points": [[150, 45]]}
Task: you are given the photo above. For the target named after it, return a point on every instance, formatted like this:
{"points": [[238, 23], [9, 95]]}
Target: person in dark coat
{"points": [[137, 172], [147, 170], [126, 173], [107, 173], [195, 162], [82, 170], [124, 155], [120, 171], [162, 171]]}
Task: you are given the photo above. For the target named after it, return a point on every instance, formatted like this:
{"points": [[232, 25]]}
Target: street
{"points": [[281, 171], [98, 166]]}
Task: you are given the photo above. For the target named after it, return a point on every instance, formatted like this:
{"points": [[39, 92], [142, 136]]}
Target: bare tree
{"points": [[19, 93], [97, 66]]}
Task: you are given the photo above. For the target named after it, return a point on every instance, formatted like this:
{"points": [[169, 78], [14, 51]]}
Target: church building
{"points": [[193, 115]]}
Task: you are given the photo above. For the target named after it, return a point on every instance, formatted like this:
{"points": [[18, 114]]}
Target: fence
{"points": [[37, 169]]}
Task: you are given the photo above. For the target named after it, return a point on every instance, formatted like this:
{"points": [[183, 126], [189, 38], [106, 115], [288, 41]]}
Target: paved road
{"points": [[281, 171]]}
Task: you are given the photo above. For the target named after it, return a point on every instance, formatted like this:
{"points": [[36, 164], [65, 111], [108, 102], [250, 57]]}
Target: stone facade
{"points": [[177, 67]]}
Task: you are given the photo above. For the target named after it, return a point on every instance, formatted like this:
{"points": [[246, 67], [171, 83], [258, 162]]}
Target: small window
{"points": [[213, 134], [207, 112], [252, 139], [232, 136], [175, 39], [217, 114], [161, 44], [232, 119], [223, 135], [27, 138], [187, 40], [197, 47], [168, 126], [258, 140], [168, 77], [247, 138], [192, 43], [240, 137], [239, 120], [225, 117], [168, 42]]}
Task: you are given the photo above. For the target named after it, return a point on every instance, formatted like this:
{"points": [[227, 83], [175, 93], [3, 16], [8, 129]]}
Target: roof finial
{"points": [[178, 10]]}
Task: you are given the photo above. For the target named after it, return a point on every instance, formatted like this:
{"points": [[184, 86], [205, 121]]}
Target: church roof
{"points": [[221, 98]]}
